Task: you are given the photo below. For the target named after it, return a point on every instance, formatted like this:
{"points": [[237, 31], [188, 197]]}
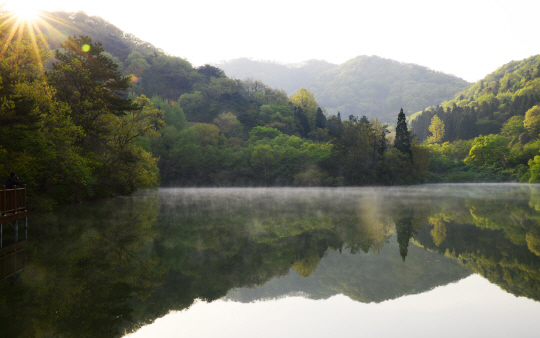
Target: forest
{"points": [[82, 119]]}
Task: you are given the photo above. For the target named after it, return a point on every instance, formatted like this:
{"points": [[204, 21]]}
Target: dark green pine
{"points": [[402, 141]]}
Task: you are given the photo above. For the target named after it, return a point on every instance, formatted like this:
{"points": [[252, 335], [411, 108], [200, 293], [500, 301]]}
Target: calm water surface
{"points": [[444, 260]]}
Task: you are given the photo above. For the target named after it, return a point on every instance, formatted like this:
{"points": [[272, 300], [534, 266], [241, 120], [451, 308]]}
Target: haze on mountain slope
{"points": [[365, 85]]}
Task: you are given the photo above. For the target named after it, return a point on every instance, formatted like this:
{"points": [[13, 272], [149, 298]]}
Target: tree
{"points": [[437, 130], [228, 124], [259, 133], [302, 121], [335, 128], [90, 83], [167, 76], [402, 142], [210, 71], [136, 64], [320, 119], [488, 150], [305, 99], [208, 134], [532, 121]]}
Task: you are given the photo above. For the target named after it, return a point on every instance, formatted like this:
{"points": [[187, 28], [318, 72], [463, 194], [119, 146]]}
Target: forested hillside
{"points": [[492, 126], [59, 25], [365, 85]]}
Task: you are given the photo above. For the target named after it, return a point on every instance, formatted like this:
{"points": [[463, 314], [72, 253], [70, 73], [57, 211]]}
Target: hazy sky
{"points": [[467, 38]]}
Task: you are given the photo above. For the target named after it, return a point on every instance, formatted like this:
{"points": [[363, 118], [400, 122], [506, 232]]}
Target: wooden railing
{"points": [[12, 203]]}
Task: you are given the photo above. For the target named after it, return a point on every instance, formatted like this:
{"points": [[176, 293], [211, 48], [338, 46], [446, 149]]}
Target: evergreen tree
{"points": [[320, 119], [364, 120], [335, 128], [302, 121], [402, 141]]}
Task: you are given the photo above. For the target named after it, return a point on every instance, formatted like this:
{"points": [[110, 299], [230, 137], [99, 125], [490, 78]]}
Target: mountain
{"points": [[365, 85]]}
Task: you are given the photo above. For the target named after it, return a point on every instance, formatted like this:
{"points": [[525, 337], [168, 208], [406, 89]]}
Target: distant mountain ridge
{"points": [[365, 85]]}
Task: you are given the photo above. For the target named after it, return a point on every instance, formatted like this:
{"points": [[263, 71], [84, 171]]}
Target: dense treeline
{"points": [[490, 131], [261, 137]]}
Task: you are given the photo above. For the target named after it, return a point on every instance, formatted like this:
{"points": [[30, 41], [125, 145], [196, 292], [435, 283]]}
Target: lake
{"points": [[451, 260]]}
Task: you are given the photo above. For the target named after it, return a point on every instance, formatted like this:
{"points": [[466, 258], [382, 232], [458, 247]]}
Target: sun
{"points": [[25, 11]]}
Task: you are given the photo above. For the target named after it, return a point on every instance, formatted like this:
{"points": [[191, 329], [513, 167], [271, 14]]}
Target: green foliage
{"points": [[320, 119], [489, 150], [173, 115], [228, 124], [264, 158], [90, 83], [532, 121], [534, 165], [259, 133], [514, 127], [167, 76], [437, 130]]}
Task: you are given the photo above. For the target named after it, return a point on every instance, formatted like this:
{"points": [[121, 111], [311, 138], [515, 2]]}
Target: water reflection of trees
{"points": [[496, 236], [110, 268], [83, 267]]}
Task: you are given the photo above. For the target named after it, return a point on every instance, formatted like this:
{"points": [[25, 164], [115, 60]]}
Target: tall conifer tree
{"points": [[320, 119], [402, 141]]}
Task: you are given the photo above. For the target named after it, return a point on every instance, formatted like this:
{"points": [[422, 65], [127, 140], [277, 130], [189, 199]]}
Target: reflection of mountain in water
{"points": [[362, 277]]}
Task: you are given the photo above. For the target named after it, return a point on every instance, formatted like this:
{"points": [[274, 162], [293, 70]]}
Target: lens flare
{"points": [[85, 48]]}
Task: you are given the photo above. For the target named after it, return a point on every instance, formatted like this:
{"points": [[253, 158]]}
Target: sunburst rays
{"points": [[37, 28]]}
